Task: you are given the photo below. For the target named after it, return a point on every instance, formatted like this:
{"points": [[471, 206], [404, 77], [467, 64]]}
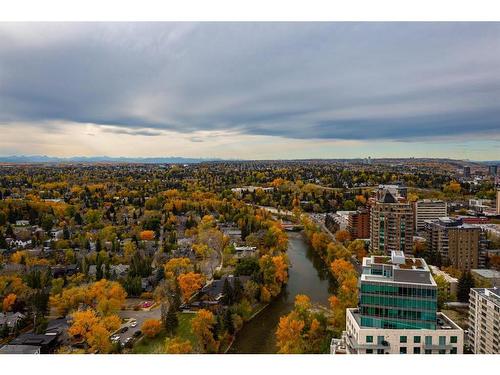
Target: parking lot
{"points": [[133, 321]]}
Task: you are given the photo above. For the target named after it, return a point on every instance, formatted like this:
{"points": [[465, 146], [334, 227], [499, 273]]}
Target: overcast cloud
{"points": [[303, 81]]}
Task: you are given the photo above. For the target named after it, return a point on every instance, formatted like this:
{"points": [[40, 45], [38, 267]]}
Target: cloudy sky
{"points": [[251, 90]]}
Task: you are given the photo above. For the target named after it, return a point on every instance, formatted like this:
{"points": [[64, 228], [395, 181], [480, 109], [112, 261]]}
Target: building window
{"points": [[428, 340], [402, 350], [369, 351], [442, 340], [428, 351], [453, 339], [416, 350], [369, 339], [453, 351], [442, 351], [402, 339], [380, 351], [416, 339], [380, 340]]}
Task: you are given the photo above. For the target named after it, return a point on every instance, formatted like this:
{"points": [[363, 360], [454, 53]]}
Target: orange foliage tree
{"points": [[342, 235], [90, 328], [147, 235], [189, 283], [8, 302], [151, 327]]}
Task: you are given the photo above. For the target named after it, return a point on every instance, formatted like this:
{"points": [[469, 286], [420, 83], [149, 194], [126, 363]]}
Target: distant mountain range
{"points": [[181, 160], [99, 159]]}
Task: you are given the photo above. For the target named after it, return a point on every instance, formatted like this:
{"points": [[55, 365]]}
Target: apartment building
{"points": [[391, 225], [458, 244], [428, 209], [397, 312], [464, 247], [359, 224], [484, 320], [436, 234]]}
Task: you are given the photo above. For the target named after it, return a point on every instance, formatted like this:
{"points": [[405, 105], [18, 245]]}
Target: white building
{"points": [[484, 320], [397, 311], [428, 209], [447, 338]]}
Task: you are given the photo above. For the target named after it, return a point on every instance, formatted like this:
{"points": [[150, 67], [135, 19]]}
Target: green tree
{"points": [[465, 283]]}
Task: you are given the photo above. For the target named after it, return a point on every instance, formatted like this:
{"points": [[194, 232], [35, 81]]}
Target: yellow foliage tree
{"points": [[288, 335], [202, 325], [177, 346], [175, 266]]}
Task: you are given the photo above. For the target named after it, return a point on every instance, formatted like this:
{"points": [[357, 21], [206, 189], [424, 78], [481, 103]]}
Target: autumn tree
{"points": [[8, 302], [288, 335], [147, 235], [189, 283], [357, 248], [151, 327], [203, 328], [342, 236], [176, 266], [106, 296], [177, 346], [93, 330]]}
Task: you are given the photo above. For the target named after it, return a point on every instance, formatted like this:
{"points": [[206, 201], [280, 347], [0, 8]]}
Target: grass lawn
{"points": [[155, 345], [184, 329]]}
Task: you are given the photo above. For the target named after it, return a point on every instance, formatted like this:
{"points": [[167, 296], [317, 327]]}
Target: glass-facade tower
{"points": [[397, 292]]}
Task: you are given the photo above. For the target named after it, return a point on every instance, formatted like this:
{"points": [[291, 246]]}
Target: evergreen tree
{"points": [[227, 293], [228, 322], [237, 290], [171, 320], [78, 219], [465, 283]]}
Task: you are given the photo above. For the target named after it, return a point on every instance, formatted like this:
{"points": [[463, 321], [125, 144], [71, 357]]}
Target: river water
{"points": [[307, 275]]}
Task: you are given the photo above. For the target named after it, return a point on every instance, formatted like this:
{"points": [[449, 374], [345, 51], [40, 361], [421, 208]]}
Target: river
{"points": [[307, 275]]}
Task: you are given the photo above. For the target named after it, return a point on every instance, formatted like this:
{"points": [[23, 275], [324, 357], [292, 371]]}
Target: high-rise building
{"points": [[397, 312], [398, 190], [498, 201], [492, 170], [359, 224], [484, 320], [467, 172], [450, 241], [464, 247], [436, 234], [428, 209], [391, 225]]}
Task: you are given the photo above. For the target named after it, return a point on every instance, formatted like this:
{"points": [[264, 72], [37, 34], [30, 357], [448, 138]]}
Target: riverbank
{"points": [[307, 275]]}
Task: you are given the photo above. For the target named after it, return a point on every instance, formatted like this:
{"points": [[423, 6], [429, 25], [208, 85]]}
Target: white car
{"points": [[133, 324], [115, 338]]}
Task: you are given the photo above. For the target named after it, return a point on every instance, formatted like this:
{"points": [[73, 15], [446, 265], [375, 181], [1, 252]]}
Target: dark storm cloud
{"points": [[390, 81]]}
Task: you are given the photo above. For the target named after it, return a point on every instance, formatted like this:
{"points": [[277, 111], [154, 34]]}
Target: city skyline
{"points": [[250, 90]]}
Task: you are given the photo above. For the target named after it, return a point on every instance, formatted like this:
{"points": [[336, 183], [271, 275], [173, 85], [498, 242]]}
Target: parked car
{"points": [[127, 342], [124, 329], [115, 338], [137, 333], [133, 324]]}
